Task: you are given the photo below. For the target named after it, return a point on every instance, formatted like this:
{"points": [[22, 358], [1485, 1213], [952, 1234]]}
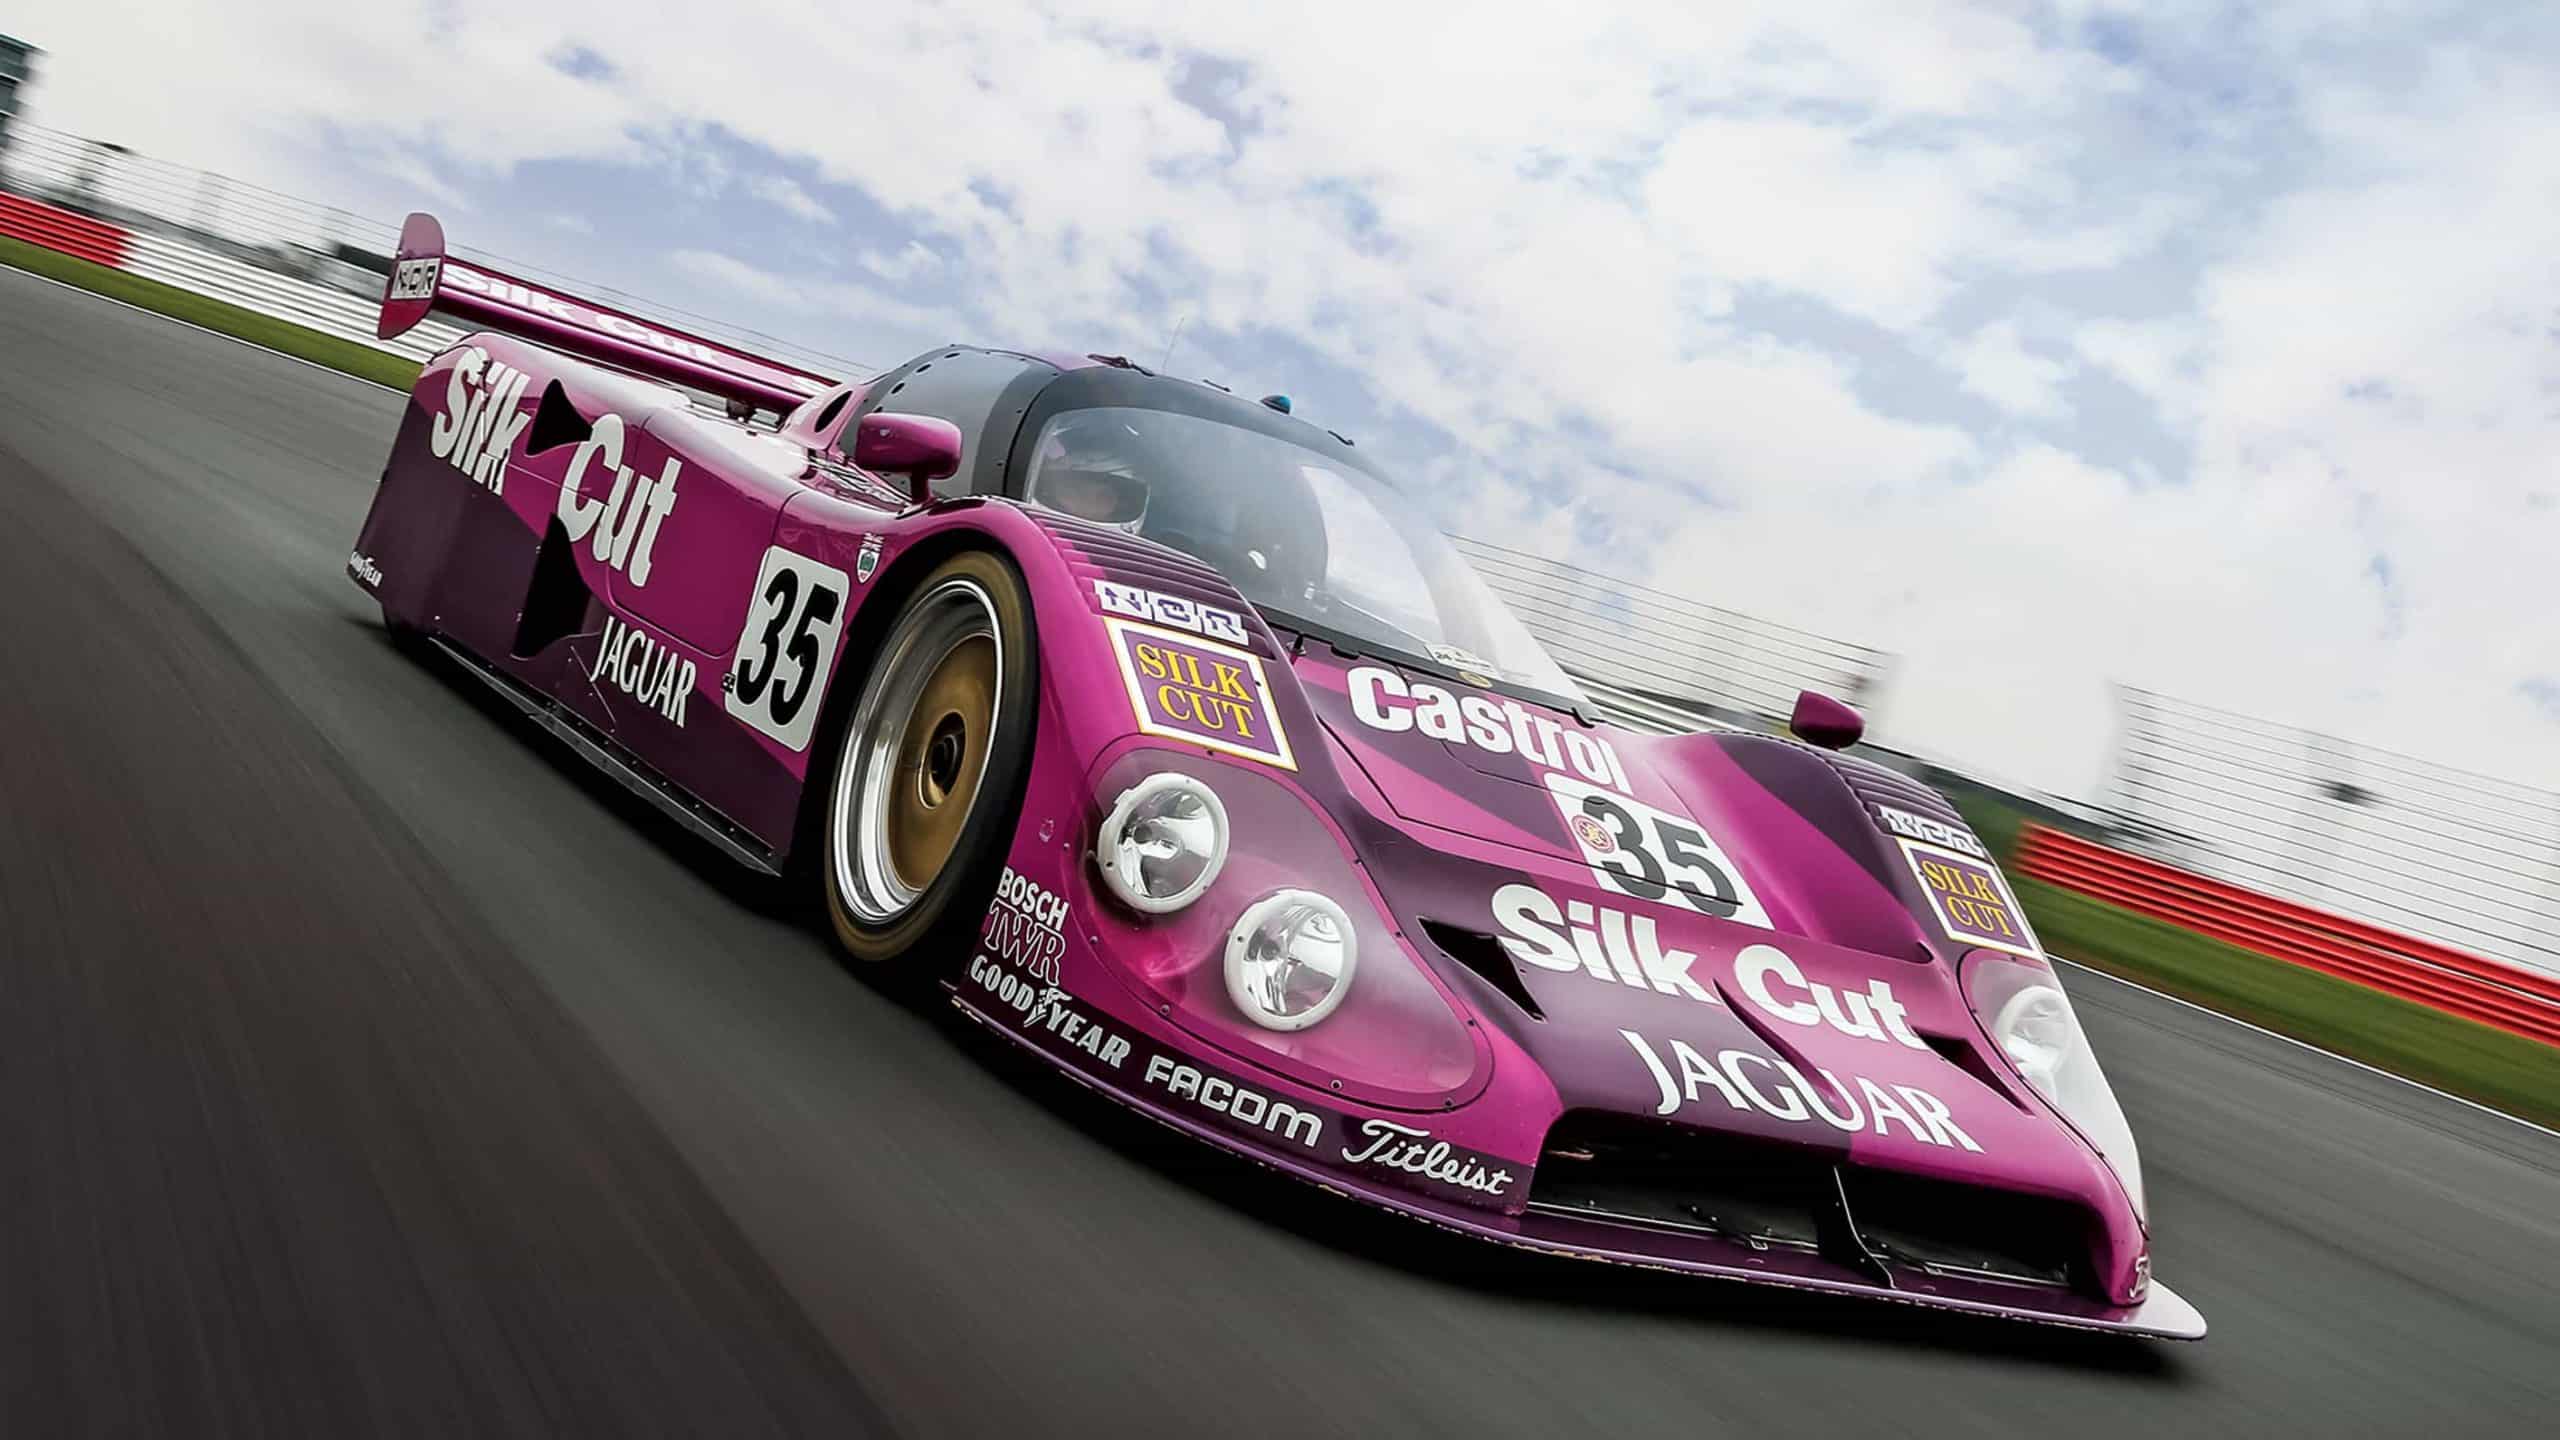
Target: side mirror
{"points": [[1821, 720], [918, 447]]}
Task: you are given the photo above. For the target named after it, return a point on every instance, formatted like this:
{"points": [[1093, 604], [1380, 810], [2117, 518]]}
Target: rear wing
{"points": [[424, 279]]}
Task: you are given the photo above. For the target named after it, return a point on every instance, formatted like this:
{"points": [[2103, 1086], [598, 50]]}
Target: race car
{"points": [[1158, 727]]}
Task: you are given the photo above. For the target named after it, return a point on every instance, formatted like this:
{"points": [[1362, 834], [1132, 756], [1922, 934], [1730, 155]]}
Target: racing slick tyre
{"points": [[928, 783]]}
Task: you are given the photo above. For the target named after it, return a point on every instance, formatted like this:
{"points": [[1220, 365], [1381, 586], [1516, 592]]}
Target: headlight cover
{"points": [[1398, 1038], [1290, 959], [1163, 843], [2022, 1008]]}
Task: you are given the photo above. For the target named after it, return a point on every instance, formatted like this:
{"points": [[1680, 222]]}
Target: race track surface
{"points": [[365, 1067]]}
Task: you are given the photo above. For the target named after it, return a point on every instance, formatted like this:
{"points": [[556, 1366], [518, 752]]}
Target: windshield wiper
{"points": [[1301, 631]]}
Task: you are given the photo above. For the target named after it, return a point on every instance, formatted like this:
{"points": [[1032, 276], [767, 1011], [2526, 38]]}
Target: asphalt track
{"points": [[365, 1067]]}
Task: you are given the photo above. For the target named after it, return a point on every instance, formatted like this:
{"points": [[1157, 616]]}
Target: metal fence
{"points": [[2466, 859], [288, 235], [1668, 647]]}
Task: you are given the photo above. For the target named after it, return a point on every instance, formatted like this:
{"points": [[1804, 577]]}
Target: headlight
{"points": [[2038, 1031], [1290, 958], [1162, 843], [2030, 1019]]}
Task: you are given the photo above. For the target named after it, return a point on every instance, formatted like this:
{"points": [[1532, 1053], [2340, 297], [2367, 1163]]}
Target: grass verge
{"points": [[2508, 1072], [301, 342]]}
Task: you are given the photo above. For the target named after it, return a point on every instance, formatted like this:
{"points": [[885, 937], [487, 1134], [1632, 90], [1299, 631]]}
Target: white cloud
{"points": [[1719, 279], [2155, 357], [785, 194], [745, 280], [1995, 363], [736, 275]]}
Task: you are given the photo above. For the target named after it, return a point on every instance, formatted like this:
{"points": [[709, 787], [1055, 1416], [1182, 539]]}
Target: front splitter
{"points": [[2163, 1314]]}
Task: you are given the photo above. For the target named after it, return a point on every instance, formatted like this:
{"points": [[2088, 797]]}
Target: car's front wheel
{"points": [[928, 784]]}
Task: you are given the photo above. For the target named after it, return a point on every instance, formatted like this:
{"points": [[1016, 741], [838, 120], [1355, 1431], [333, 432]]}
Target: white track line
{"points": [[209, 330], [2314, 1049]]}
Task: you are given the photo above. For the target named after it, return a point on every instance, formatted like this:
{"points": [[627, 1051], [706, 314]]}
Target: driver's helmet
{"points": [[1087, 466]]}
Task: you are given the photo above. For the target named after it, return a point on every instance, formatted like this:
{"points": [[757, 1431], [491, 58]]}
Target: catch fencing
{"points": [[1671, 653], [2464, 859]]}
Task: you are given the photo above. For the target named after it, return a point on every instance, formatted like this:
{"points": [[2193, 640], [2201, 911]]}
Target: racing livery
{"points": [[1155, 726]]}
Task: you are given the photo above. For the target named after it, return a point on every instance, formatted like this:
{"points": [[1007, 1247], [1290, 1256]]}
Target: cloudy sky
{"points": [[2211, 348]]}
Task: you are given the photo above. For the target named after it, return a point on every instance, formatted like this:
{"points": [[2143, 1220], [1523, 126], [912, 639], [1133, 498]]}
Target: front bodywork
{"points": [[1771, 1075], [1695, 1003]]}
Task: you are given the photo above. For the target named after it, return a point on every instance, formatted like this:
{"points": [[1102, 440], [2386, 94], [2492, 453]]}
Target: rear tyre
{"points": [[928, 784]]}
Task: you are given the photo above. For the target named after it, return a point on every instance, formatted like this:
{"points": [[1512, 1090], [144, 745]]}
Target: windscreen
{"points": [[1303, 537]]}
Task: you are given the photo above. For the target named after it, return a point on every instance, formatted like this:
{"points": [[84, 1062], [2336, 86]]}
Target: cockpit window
{"points": [[1303, 536]]}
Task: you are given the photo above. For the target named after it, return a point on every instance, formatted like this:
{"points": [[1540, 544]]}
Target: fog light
{"points": [[1162, 843], [1290, 959]]}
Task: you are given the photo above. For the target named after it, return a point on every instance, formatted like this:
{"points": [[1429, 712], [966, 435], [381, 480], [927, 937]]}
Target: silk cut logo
{"points": [[1652, 854], [623, 522], [788, 649], [483, 416]]}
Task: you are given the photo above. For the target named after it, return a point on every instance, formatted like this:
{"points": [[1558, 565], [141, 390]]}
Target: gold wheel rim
{"points": [[941, 758]]}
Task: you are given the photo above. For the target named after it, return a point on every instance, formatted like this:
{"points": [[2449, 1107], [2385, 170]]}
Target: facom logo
{"points": [[1250, 1108]]}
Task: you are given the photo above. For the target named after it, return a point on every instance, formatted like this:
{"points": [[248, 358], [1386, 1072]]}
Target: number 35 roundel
{"points": [[1652, 854], [777, 677]]}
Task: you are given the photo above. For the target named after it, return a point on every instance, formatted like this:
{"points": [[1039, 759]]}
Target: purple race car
{"points": [[1160, 728]]}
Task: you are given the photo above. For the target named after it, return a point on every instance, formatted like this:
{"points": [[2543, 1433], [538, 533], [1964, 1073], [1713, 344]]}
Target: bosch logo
{"points": [[1594, 836]]}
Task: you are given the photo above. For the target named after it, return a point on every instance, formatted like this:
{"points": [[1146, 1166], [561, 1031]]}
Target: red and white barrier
{"points": [[234, 282], [2518, 1001], [57, 229]]}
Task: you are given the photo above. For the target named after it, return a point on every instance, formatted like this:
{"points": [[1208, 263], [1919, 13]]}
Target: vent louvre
{"points": [[1874, 784], [1104, 553]]}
